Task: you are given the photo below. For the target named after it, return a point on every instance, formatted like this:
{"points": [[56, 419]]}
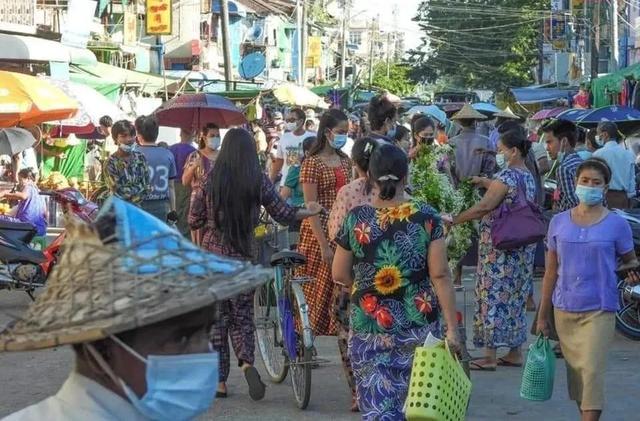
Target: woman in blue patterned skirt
{"points": [[504, 277], [400, 288]]}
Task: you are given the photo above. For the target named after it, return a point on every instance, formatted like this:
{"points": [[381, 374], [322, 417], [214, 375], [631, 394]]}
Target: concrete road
{"points": [[31, 376]]}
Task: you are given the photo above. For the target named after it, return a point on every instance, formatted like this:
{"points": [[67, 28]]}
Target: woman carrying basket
{"points": [[401, 285]]}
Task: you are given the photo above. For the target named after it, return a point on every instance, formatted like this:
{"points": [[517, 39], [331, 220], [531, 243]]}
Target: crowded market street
{"points": [[36, 375]]}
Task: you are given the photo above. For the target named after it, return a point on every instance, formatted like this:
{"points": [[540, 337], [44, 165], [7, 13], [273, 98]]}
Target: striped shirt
{"points": [[566, 178]]}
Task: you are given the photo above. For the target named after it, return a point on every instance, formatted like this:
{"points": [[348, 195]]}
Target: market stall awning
{"points": [[148, 82], [537, 96], [611, 83], [18, 47]]}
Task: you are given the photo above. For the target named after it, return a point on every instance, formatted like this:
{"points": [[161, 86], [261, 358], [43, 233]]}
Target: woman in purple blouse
{"points": [[580, 284]]}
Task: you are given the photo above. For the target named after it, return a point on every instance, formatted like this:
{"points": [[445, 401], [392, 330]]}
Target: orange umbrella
{"points": [[27, 100]]}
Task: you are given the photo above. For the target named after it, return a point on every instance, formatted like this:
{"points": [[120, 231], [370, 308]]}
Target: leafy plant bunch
{"points": [[435, 187]]}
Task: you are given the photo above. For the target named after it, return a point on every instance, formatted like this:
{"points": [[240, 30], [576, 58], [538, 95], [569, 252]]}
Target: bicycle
{"points": [[283, 330]]}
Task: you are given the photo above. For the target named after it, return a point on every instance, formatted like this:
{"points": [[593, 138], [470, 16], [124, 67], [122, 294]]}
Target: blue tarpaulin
{"points": [[536, 96]]}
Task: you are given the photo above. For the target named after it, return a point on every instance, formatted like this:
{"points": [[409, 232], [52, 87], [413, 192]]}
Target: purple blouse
{"points": [[588, 258]]}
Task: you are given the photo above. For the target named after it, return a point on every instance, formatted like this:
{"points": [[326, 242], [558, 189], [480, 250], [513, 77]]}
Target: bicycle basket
{"points": [[539, 371], [438, 389]]}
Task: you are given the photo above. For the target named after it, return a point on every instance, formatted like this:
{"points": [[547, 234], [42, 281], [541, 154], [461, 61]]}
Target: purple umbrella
{"points": [[196, 110], [548, 113]]}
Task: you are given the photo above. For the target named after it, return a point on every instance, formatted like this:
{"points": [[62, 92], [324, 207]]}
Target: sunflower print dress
{"points": [[393, 304]]}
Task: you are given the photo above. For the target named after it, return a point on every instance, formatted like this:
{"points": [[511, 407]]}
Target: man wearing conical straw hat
{"points": [[471, 157], [134, 300], [501, 118]]}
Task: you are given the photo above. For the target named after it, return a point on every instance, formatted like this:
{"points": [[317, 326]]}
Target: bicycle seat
{"points": [[287, 258]]}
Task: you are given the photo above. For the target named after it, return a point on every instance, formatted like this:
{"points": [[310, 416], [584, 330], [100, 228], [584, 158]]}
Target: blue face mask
{"points": [[590, 196], [127, 148], [179, 387], [391, 134], [339, 141]]}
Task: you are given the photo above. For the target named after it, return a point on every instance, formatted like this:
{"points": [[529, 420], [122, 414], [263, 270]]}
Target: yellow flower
{"points": [[402, 212], [388, 280]]}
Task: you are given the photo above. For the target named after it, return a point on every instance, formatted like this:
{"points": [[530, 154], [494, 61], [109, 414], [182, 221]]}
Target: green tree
{"points": [[491, 44], [399, 81]]}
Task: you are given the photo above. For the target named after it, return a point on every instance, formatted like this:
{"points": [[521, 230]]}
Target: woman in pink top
{"points": [[357, 193]]}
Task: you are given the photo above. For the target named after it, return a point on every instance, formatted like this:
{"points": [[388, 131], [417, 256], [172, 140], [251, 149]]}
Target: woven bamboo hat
{"points": [[507, 113], [145, 274], [468, 113]]}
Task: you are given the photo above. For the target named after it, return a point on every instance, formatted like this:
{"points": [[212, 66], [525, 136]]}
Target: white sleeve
{"points": [[280, 151]]}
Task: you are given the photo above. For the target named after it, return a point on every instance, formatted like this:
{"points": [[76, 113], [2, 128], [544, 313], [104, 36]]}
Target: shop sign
{"points": [[158, 17], [130, 28]]}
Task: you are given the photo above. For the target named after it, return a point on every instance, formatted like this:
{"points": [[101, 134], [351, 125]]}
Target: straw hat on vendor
{"points": [[501, 118], [135, 301]]}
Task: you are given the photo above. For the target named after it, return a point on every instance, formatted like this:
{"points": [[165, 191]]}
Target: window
{"points": [[355, 37]]}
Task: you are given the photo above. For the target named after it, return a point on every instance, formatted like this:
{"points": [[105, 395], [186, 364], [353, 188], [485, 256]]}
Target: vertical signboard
{"points": [[130, 28], [158, 17]]}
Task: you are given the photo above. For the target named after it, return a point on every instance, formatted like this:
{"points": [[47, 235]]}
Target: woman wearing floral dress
{"points": [[324, 172], [504, 277], [400, 285]]}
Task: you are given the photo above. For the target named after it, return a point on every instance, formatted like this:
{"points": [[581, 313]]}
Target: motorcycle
{"points": [[24, 268]]}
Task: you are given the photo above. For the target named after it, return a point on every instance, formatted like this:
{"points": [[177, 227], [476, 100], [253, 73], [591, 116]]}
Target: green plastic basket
{"points": [[539, 371], [439, 389]]}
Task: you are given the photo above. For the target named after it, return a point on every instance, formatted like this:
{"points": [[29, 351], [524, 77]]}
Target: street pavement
{"points": [[32, 376]]}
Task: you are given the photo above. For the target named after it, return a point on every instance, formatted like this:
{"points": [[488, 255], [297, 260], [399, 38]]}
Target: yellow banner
{"points": [[158, 17], [315, 50]]}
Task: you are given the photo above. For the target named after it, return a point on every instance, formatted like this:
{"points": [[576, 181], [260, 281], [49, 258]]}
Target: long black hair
{"points": [[329, 121], [418, 125], [234, 193], [388, 168]]}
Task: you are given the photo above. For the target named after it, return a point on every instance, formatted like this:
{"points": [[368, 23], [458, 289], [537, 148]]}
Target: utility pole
{"points": [[346, 18], [305, 42], [595, 42], [541, 54], [388, 54], [371, 43], [615, 46], [226, 47], [299, 76]]}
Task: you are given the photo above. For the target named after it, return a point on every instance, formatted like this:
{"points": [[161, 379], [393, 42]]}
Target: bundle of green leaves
{"points": [[435, 187]]}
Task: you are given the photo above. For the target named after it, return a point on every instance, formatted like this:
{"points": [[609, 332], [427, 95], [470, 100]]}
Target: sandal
{"points": [[474, 366], [505, 363], [256, 386], [354, 405], [221, 395]]}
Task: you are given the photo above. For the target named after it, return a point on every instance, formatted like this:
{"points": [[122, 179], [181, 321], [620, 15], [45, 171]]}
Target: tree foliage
{"points": [[398, 82], [490, 44]]}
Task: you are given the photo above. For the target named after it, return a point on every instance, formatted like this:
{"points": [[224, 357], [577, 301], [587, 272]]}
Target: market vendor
{"points": [[64, 155], [141, 340], [31, 207]]}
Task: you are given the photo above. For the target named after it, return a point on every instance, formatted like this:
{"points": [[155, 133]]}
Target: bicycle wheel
{"points": [[301, 365], [268, 333]]}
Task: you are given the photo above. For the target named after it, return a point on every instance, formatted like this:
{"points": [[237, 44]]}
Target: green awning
{"points": [[109, 89], [325, 89], [612, 82], [150, 84], [240, 94]]}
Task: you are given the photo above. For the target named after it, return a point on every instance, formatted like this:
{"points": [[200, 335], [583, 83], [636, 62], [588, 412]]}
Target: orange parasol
{"points": [[27, 100]]}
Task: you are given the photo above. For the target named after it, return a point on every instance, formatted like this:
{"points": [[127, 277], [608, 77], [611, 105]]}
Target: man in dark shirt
{"points": [[560, 137]]}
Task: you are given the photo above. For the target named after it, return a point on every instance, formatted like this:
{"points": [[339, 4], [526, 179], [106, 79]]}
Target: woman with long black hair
{"points": [[324, 172], [227, 207]]}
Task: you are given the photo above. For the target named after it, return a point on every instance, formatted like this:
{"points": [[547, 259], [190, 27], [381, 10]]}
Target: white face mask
{"points": [[214, 142], [292, 127], [501, 161]]}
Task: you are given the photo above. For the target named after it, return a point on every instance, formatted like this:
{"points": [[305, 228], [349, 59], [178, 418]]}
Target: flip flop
{"points": [[504, 363], [221, 395], [474, 366], [256, 387]]}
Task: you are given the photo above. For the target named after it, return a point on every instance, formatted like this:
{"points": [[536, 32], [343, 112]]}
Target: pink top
{"points": [[349, 197]]}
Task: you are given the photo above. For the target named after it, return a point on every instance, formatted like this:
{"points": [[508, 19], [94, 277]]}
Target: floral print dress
{"points": [[393, 305], [504, 278]]}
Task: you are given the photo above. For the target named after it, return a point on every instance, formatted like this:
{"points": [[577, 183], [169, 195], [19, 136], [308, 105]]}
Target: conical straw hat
{"points": [[468, 113], [507, 113], [148, 275]]}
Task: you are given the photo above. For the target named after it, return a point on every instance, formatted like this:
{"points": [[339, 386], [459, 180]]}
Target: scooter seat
{"points": [[15, 226]]}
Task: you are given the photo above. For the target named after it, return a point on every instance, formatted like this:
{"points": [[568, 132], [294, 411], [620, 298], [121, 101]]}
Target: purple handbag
{"points": [[519, 224]]}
